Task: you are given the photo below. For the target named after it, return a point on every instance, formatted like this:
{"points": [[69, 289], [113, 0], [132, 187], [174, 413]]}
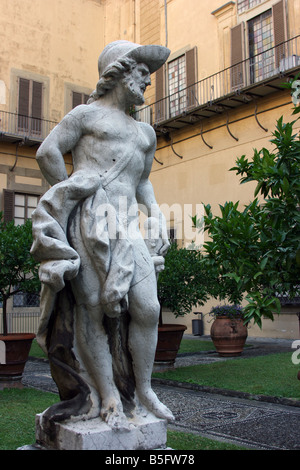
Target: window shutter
{"points": [[23, 105], [159, 84], [190, 59], [76, 99], [37, 89], [9, 202], [160, 95], [36, 112], [279, 31], [237, 55]]}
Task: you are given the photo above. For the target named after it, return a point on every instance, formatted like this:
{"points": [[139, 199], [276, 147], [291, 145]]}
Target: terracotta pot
{"points": [[168, 343], [229, 335], [16, 350]]}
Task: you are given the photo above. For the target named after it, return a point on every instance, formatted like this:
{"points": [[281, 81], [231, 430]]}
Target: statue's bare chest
{"points": [[109, 138]]}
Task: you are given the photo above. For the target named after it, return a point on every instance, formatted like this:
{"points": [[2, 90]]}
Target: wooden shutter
{"points": [[79, 98], [160, 105], [237, 55], [190, 60], [37, 100], [8, 205], [23, 104], [279, 25], [76, 99], [36, 112]]}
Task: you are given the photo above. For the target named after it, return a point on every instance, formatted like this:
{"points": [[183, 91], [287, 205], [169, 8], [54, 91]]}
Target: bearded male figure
{"points": [[99, 299]]}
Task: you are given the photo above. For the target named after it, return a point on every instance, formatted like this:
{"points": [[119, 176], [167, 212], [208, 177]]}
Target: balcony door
{"points": [[30, 106], [258, 46]]}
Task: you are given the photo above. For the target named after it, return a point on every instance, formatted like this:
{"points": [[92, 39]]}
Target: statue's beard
{"points": [[136, 94]]}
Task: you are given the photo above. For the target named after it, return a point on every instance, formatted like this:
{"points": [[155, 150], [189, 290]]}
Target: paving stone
{"points": [[252, 423]]}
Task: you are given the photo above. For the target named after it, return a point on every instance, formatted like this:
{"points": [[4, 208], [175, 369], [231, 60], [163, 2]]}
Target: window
{"points": [[244, 5], [75, 95], [30, 105], [258, 47], [177, 84], [19, 206], [24, 206], [25, 299], [176, 80], [79, 98], [261, 42]]}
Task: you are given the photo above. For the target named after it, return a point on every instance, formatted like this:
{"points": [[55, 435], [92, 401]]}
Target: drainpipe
{"points": [[166, 23]]}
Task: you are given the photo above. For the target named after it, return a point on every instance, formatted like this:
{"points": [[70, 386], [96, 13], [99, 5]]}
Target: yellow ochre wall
{"points": [[202, 175], [58, 39], [61, 40]]}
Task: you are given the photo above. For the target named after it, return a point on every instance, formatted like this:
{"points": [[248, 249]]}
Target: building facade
{"points": [[218, 97]]}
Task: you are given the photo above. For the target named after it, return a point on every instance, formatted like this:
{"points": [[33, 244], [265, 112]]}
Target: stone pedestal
{"points": [[146, 433]]}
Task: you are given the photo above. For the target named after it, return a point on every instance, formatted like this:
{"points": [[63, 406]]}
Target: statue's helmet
{"points": [[153, 56]]}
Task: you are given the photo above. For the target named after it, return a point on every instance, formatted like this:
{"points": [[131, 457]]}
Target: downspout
{"points": [[166, 22], [134, 21]]}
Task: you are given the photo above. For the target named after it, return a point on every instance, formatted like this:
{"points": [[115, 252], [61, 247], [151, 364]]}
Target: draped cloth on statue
{"points": [[81, 262]]}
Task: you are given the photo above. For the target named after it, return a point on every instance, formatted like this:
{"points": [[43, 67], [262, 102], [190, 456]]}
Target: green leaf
{"points": [[257, 275], [233, 276], [258, 188], [285, 185], [263, 262]]}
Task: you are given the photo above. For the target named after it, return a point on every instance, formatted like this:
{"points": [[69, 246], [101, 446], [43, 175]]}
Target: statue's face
{"points": [[135, 83]]}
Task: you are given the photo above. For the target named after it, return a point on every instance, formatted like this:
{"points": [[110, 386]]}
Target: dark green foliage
{"points": [[183, 283], [18, 269]]}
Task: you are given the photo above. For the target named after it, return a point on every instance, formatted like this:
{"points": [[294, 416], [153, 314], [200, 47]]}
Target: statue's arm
{"points": [[146, 198], [145, 193], [62, 139]]}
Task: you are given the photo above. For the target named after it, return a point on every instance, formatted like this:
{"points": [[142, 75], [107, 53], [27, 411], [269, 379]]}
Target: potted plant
{"points": [[228, 331], [18, 273], [180, 288]]}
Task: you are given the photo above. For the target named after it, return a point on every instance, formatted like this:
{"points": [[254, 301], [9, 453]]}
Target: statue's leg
{"points": [[144, 311], [93, 350]]}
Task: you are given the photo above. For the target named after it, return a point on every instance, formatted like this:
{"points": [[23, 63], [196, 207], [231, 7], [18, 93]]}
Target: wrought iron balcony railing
{"points": [[252, 78], [16, 127], [249, 79]]}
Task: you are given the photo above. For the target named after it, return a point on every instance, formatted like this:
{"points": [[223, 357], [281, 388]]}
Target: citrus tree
{"points": [[183, 284], [18, 269]]}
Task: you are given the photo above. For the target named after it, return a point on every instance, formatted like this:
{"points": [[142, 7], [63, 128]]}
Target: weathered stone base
{"points": [[147, 433]]}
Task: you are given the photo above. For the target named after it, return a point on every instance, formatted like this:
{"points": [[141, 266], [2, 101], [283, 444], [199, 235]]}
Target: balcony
{"points": [[17, 128], [247, 81]]}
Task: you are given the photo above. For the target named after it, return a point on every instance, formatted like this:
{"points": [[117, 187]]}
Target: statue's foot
{"points": [[115, 418], [152, 403]]}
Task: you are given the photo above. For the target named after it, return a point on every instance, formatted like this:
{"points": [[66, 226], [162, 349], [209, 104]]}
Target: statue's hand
{"points": [[165, 241], [159, 263], [165, 247], [156, 237]]}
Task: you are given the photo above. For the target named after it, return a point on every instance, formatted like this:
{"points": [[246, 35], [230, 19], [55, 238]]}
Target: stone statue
{"points": [[99, 307]]}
